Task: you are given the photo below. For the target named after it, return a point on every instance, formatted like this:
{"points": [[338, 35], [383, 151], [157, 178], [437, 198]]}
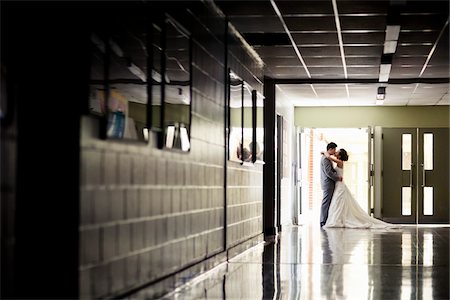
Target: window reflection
{"points": [[248, 124], [156, 79], [127, 78], [177, 87], [97, 75], [259, 127], [235, 94]]}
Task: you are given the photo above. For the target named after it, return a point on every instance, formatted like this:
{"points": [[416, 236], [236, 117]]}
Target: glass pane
{"points": [[406, 201], [156, 77], [97, 76], [127, 94], [428, 151], [428, 201], [259, 127], [177, 91], [235, 114], [406, 151], [248, 124]]}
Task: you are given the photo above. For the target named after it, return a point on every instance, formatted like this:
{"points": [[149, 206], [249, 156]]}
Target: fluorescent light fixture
{"points": [[383, 78], [115, 48], [137, 71], [156, 76], [170, 136], [392, 32], [234, 76], [385, 69], [145, 133], [389, 47], [185, 144]]}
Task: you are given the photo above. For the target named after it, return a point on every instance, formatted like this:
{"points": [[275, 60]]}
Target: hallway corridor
{"points": [[309, 263]]}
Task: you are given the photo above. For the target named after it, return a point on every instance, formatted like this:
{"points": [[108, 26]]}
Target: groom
{"points": [[328, 177]]}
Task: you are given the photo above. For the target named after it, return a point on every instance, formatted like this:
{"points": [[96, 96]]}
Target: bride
{"points": [[344, 210]]}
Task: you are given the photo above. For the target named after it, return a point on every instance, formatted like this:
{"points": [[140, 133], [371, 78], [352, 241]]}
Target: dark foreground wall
{"points": [[44, 68]]}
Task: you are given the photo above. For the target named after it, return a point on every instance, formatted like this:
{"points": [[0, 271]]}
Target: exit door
{"points": [[415, 175]]}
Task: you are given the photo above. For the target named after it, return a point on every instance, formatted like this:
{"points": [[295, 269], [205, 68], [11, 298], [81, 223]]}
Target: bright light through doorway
{"points": [[314, 140]]}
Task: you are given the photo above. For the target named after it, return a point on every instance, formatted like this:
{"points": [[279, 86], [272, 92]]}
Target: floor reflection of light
{"points": [[427, 292], [427, 284], [406, 248], [406, 287], [371, 256], [311, 259], [356, 276], [359, 254], [427, 249], [356, 281]]}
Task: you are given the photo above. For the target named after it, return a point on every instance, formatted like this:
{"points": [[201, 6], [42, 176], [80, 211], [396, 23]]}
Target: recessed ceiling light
{"points": [[389, 47], [392, 32]]}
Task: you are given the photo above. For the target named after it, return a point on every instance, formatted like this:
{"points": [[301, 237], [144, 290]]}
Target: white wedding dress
{"points": [[344, 211]]}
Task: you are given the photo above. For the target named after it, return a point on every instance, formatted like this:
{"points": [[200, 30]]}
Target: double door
{"points": [[415, 175]]}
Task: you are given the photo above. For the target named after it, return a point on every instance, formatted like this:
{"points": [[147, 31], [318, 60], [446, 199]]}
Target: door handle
{"points": [[411, 176], [423, 175]]}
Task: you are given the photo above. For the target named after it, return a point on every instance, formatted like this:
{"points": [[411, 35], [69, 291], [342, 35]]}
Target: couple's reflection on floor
{"points": [[354, 266], [334, 250]]}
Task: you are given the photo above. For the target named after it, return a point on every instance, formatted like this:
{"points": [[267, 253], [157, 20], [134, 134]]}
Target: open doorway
{"points": [[356, 175]]}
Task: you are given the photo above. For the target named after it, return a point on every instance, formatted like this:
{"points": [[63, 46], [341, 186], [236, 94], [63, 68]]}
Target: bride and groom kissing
{"points": [[339, 207]]}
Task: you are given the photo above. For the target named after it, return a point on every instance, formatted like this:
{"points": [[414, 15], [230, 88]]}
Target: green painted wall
{"points": [[394, 116], [235, 118]]}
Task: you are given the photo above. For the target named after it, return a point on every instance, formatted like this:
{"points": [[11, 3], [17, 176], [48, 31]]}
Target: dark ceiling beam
{"points": [[362, 81]]}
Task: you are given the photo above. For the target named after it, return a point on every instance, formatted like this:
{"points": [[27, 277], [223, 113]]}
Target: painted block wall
{"points": [[147, 213]]}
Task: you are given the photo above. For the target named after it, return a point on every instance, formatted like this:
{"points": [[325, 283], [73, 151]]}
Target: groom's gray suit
{"points": [[328, 178]]}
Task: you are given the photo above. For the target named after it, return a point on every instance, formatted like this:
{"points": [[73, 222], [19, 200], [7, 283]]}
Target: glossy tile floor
{"points": [[312, 263]]}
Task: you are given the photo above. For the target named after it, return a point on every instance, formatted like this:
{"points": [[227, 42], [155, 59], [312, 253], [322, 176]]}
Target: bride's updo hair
{"points": [[343, 154]]}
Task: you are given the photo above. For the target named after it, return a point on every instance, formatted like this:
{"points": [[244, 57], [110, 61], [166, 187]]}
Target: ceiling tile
{"points": [[332, 51], [373, 51], [363, 23], [257, 24], [275, 51], [363, 38], [305, 7], [421, 22], [312, 23], [238, 8], [358, 7], [315, 38]]}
